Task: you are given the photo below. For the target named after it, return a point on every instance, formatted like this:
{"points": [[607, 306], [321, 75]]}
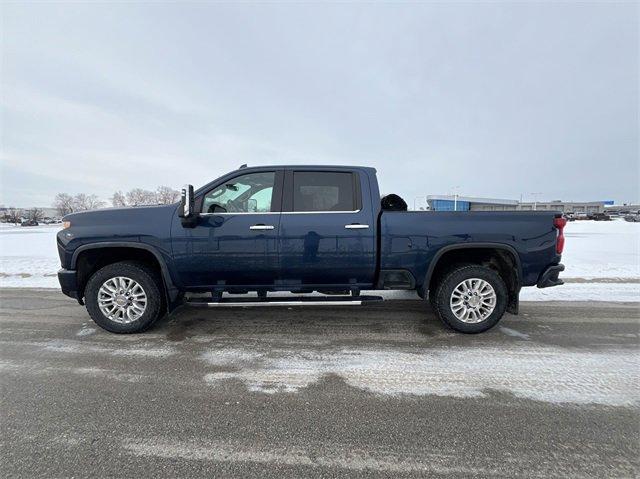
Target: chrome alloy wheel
{"points": [[122, 300], [473, 300]]}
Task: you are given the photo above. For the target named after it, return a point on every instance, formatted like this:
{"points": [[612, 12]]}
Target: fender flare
{"points": [[171, 291], [445, 249]]}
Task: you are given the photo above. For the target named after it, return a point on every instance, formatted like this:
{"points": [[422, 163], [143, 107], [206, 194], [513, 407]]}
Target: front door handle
{"points": [[261, 227], [356, 226]]}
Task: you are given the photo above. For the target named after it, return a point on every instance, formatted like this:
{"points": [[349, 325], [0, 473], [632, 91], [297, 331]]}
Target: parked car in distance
{"points": [[303, 229], [29, 223], [599, 217]]}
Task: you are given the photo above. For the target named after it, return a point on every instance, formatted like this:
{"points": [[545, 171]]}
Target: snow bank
{"points": [[602, 260]]}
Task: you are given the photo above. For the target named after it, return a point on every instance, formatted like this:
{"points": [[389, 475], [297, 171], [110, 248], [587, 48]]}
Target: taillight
{"points": [[560, 223]]}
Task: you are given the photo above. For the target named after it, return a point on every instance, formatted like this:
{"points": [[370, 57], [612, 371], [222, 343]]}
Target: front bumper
{"points": [[68, 282], [550, 276]]}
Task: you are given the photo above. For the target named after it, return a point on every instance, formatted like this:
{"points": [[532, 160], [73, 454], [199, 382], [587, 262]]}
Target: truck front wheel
{"points": [[471, 299], [124, 297]]}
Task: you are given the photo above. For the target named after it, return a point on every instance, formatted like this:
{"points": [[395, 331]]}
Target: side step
{"points": [[285, 301]]}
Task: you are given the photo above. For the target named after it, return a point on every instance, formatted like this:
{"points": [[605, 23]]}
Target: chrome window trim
{"points": [[316, 212], [242, 213], [280, 213]]}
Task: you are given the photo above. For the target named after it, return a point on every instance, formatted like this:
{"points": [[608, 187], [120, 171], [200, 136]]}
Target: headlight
{"points": [[66, 224]]}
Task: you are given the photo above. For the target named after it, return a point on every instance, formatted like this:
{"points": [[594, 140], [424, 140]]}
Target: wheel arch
{"points": [[90, 257], [502, 257]]}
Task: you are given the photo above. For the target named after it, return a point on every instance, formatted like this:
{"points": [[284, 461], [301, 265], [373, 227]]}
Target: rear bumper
{"points": [[68, 282], [550, 276]]}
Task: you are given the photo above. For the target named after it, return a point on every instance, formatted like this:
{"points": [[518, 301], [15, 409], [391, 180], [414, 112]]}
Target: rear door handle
{"points": [[356, 226], [260, 227]]}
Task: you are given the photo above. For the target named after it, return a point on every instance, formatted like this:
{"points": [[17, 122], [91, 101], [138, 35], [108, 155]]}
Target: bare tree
{"points": [[64, 203], [95, 202], [118, 199], [139, 197], [35, 214], [163, 195], [166, 195], [80, 202], [13, 215], [84, 202]]}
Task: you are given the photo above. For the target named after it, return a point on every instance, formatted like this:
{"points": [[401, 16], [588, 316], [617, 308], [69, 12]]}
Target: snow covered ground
{"points": [[29, 256], [602, 260]]}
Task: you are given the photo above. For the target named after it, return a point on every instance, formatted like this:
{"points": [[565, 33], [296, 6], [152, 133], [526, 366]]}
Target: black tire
{"points": [[141, 274], [438, 280], [441, 300]]}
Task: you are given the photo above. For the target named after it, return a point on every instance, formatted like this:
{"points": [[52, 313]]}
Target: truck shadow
{"points": [[392, 319]]}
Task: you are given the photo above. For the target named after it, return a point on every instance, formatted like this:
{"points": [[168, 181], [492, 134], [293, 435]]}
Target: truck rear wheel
{"points": [[124, 297], [471, 299]]}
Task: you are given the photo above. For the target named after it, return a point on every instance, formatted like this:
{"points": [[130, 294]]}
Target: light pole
{"points": [[455, 198], [535, 202]]}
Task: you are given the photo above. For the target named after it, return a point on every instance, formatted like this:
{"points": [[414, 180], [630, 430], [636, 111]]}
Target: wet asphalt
{"points": [[378, 391]]}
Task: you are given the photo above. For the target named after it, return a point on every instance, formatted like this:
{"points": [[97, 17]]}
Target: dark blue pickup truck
{"points": [[302, 229]]}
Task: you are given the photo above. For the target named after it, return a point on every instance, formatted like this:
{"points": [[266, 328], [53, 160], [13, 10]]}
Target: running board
{"points": [[284, 301]]}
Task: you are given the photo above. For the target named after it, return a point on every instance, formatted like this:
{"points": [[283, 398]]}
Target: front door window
{"points": [[250, 193]]}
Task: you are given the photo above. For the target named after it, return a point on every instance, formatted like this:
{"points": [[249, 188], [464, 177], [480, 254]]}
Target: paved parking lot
{"points": [[381, 390]]}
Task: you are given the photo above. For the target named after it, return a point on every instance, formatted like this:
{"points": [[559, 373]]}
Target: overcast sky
{"points": [[499, 100]]}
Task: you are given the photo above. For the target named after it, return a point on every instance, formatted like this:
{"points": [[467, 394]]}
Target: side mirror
{"points": [[186, 202], [186, 209]]}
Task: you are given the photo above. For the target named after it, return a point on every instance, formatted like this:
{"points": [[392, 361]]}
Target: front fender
{"points": [[172, 293]]}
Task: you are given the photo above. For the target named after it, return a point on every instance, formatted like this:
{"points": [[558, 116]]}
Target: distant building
{"points": [[466, 203], [565, 206]]}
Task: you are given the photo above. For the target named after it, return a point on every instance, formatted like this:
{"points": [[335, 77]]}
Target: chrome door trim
{"points": [[356, 227]]}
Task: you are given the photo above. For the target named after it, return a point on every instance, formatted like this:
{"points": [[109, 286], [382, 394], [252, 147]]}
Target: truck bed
{"points": [[412, 239]]}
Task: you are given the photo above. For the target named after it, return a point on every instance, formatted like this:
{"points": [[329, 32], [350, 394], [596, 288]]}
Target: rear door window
{"points": [[323, 191]]}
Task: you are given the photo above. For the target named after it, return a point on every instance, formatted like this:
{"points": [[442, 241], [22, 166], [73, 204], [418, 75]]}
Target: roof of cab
{"points": [[305, 167], [245, 169]]}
